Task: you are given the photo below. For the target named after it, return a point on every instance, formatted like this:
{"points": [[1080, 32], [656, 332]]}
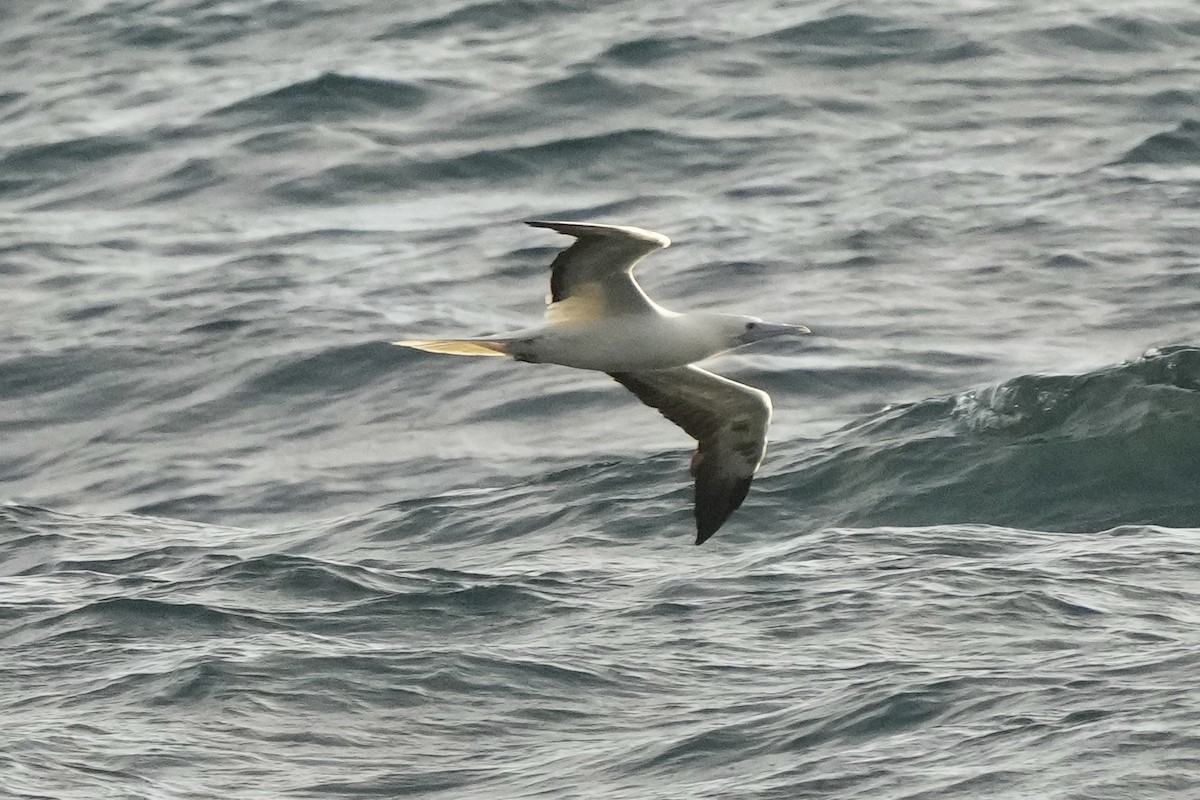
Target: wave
{"points": [[858, 40], [1178, 146], [1119, 34], [488, 16], [1075, 452], [1062, 452], [588, 87], [648, 50], [1066, 453], [584, 159], [331, 95], [29, 169], [113, 574]]}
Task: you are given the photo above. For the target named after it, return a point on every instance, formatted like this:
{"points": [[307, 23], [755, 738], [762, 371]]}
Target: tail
{"points": [[459, 347]]}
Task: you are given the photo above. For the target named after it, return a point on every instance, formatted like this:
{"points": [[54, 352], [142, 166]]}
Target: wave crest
{"points": [[1061, 452]]}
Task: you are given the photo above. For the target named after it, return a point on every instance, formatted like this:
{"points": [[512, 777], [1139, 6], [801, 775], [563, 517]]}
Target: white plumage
{"points": [[598, 318]]}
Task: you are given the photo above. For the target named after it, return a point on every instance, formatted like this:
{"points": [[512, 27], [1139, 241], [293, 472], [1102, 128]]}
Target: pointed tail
{"points": [[459, 347]]}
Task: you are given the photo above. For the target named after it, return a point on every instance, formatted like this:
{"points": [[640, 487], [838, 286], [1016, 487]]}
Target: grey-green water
{"points": [[252, 550]]}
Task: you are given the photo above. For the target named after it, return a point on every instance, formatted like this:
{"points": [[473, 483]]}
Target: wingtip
{"points": [[716, 504], [580, 229], [707, 525]]}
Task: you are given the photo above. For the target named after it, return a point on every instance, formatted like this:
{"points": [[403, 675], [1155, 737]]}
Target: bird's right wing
{"points": [[729, 419], [594, 276]]}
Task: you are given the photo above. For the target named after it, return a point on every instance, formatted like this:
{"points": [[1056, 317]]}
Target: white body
{"points": [[659, 340], [598, 318]]}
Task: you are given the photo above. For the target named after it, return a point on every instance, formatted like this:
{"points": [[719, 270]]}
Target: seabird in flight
{"points": [[599, 318]]}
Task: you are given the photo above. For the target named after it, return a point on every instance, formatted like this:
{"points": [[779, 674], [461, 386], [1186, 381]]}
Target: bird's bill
{"points": [[769, 330]]}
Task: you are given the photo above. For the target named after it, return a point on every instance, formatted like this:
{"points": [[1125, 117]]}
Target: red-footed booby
{"points": [[599, 318]]}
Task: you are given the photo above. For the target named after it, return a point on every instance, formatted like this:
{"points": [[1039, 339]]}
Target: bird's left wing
{"points": [[729, 419], [594, 276]]}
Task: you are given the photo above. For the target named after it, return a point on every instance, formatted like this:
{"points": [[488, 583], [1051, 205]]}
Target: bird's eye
{"points": [[751, 325]]}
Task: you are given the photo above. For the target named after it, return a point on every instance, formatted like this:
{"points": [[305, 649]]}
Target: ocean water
{"points": [[248, 549]]}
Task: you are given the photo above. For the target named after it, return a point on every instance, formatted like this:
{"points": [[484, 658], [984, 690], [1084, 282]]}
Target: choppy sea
{"points": [[250, 550]]}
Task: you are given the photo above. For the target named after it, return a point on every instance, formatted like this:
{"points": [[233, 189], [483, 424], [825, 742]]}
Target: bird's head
{"points": [[744, 330]]}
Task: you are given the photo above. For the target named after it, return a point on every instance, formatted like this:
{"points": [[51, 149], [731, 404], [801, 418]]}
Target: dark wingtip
{"points": [[709, 523], [713, 508]]}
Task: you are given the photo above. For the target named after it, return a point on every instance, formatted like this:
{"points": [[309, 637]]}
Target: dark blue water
{"points": [[252, 550]]}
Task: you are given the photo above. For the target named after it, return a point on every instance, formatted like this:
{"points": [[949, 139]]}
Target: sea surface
{"points": [[250, 550]]}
